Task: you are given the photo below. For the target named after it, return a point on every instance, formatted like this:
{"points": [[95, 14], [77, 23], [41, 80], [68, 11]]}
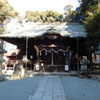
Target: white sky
{"points": [[42, 5]]}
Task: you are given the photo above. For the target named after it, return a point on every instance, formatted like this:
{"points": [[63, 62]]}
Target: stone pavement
{"points": [[50, 88]]}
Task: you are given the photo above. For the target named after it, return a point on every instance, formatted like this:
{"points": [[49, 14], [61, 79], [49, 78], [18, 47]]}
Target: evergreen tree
{"points": [[71, 16], [48, 15], [6, 11], [92, 27], [85, 5]]}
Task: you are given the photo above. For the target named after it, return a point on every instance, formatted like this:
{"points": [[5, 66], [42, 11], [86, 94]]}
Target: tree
{"points": [[47, 15], [33, 15], [68, 12], [68, 9], [85, 5], [56, 16], [50, 19], [6, 11], [77, 15], [92, 27]]}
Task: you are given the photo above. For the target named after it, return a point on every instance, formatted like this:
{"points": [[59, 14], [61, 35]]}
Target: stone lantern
{"points": [[84, 62], [2, 51], [98, 57]]}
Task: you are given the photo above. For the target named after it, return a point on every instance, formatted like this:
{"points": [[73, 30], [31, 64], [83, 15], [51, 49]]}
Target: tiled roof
{"points": [[36, 29], [12, 52]]}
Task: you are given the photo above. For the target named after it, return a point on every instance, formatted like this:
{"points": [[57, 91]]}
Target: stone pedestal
{"points": [[22, 73], [2, 79], [19, 73], [1, 59], [84, 66], [21, 70]]}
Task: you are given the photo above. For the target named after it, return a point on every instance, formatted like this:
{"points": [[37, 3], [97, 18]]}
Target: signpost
{"points": [[66, 67]]}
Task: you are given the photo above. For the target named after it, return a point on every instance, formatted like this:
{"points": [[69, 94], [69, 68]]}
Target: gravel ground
{"points": [[80, 89], [18, 89]]}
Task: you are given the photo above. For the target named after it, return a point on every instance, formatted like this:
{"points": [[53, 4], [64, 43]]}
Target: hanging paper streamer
{"points": [[56, 52], [60, 50], [64, 53], [45, 53], [40, 53], [70, 55]]}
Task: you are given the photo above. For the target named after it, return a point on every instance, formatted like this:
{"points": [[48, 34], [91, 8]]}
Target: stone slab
{"points": [[50, 88]]}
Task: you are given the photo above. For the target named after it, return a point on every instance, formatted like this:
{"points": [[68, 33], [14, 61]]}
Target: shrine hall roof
{"points": [[33, 30]]}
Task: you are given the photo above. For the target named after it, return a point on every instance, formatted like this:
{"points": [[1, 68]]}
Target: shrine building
{"points": [[51, 47]]}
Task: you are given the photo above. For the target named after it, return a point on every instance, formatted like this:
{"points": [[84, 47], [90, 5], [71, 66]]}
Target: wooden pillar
{"points": [[78, 55], [52, 57], [90, 59], [37, 54], [26, 53], [38, 57], [66, 58]]}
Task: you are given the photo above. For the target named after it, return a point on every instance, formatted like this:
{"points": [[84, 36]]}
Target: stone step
{"points": [[31, 74], [9, 72]]}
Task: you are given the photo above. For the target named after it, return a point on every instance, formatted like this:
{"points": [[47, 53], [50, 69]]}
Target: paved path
{"points": [[50, 88], [19, 89]]}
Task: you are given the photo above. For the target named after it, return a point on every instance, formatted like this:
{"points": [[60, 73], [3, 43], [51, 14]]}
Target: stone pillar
{"points": [[1, 59]]}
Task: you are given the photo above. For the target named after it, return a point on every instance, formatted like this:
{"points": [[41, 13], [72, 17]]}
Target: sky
{"points": [[42, 5]]}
